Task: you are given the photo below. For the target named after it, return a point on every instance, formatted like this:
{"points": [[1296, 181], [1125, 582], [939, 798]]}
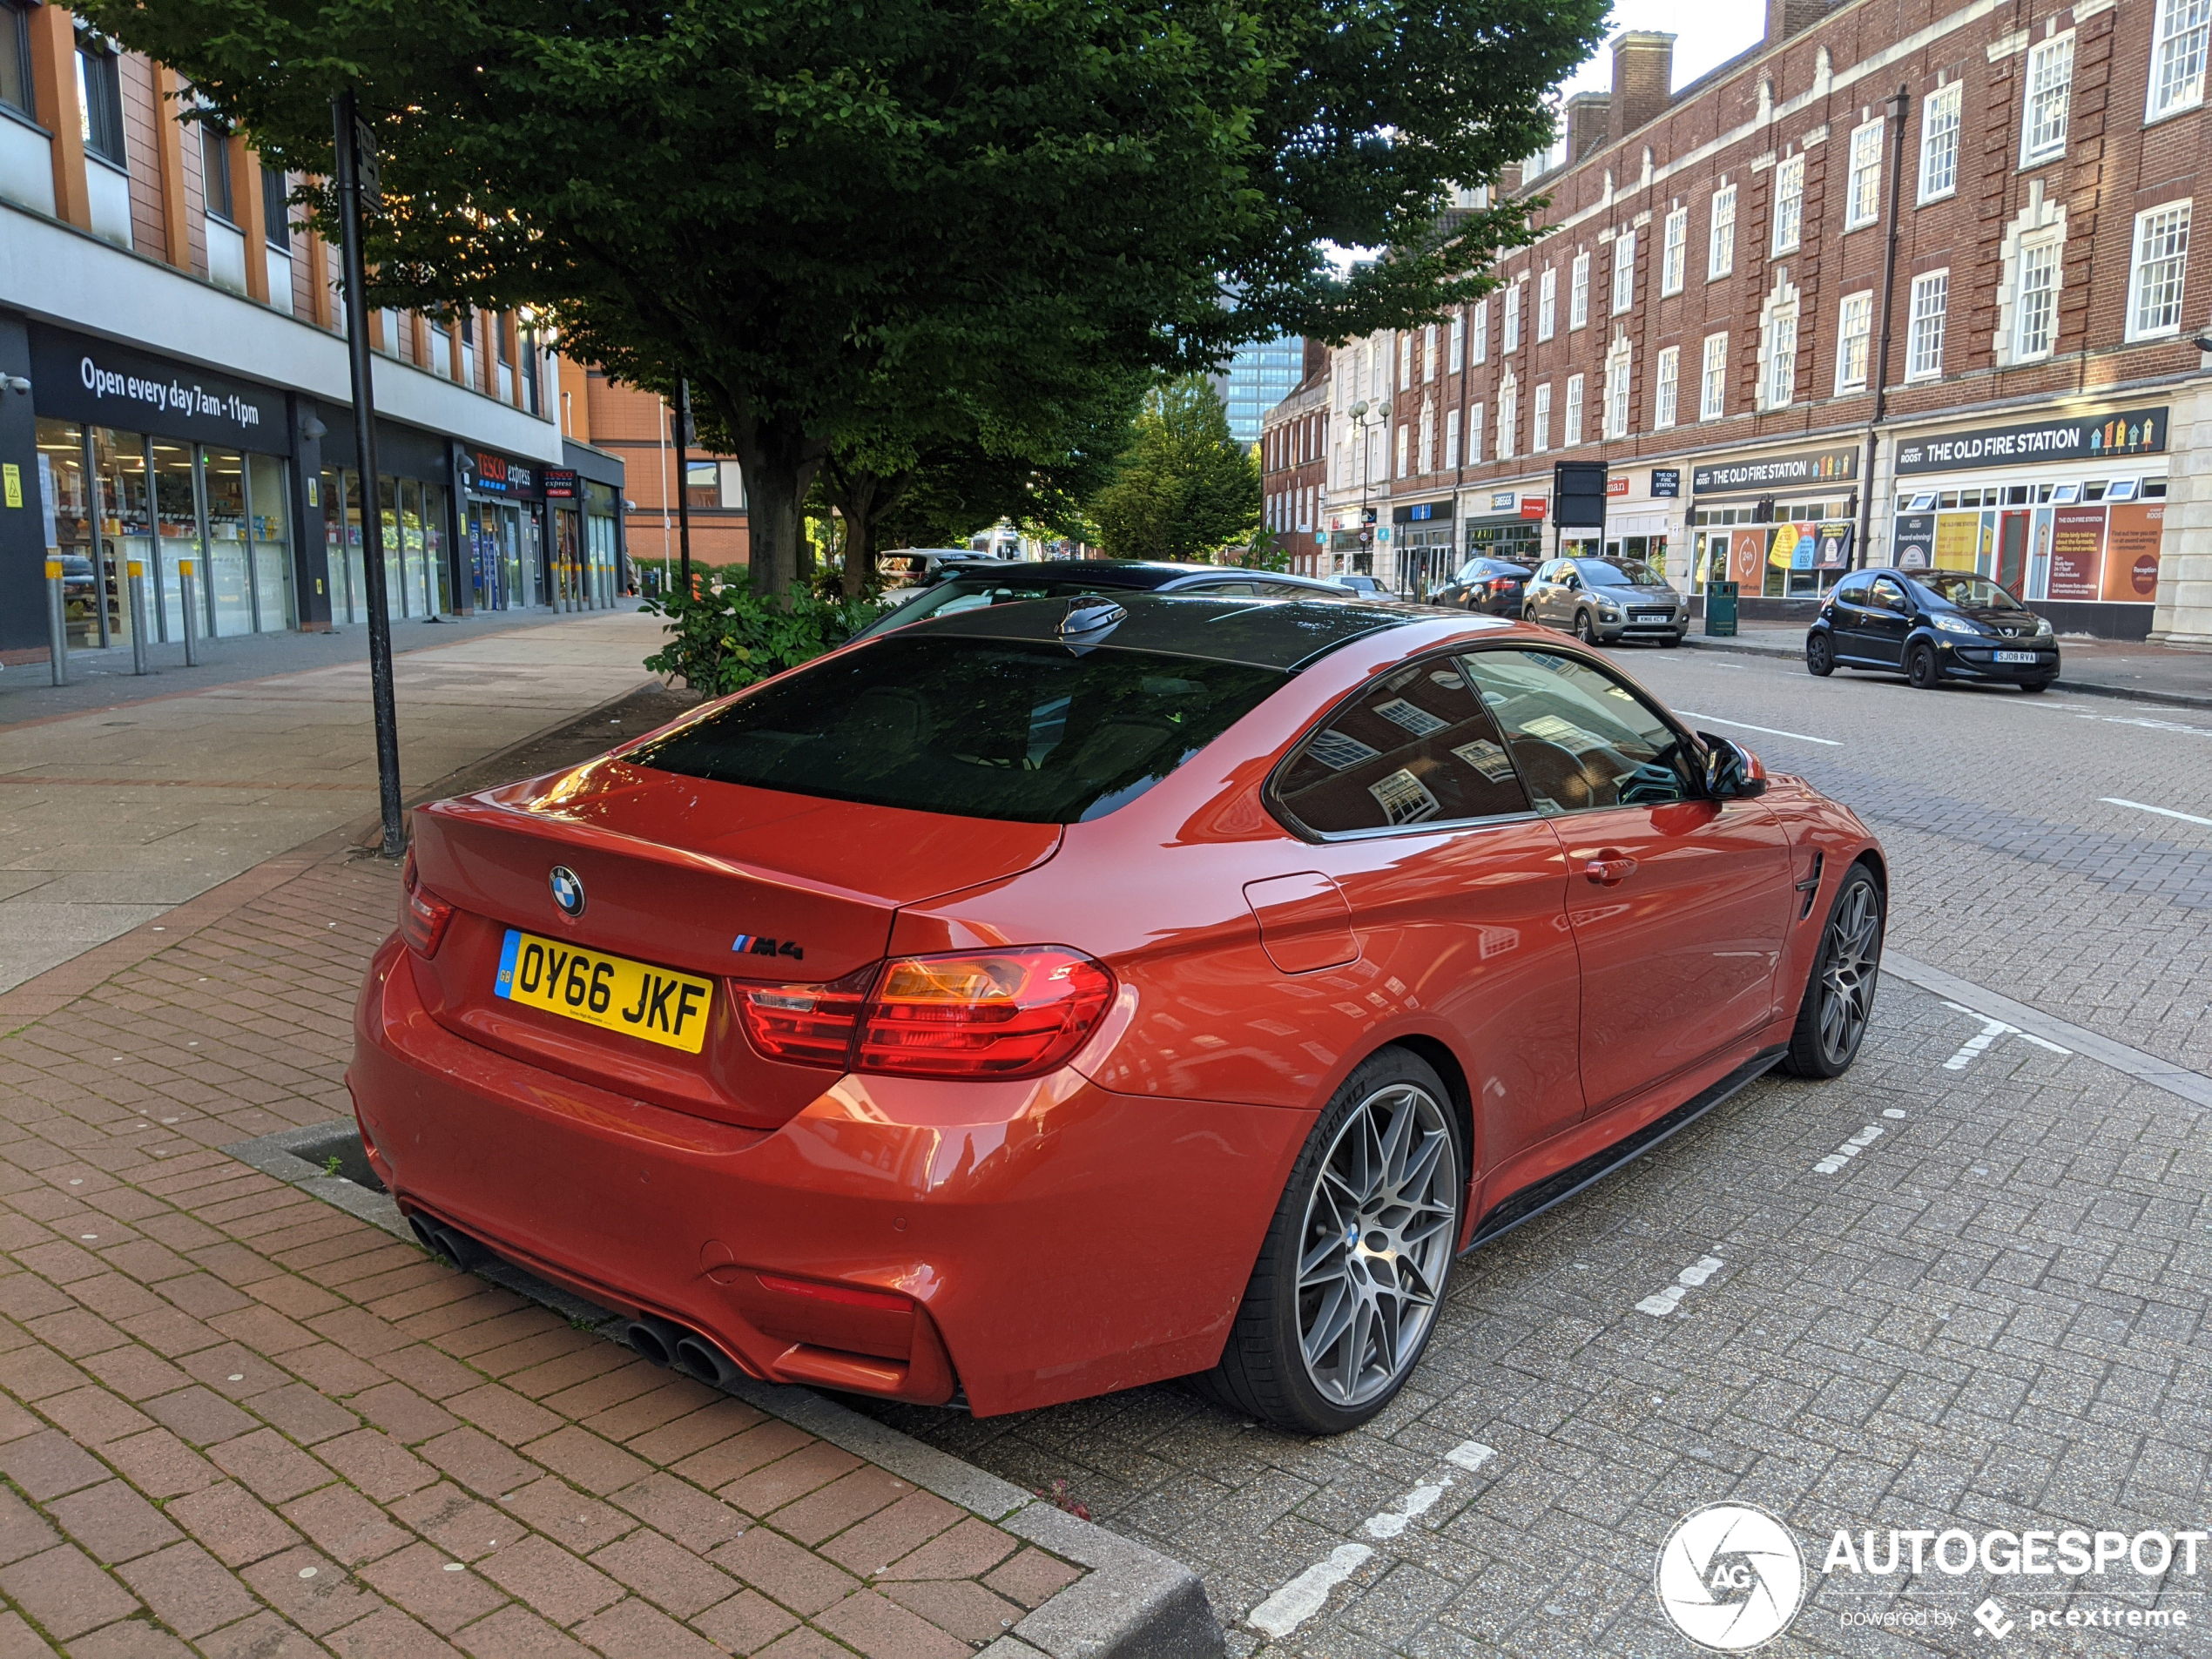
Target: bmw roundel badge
{"points": [[567, 892]]}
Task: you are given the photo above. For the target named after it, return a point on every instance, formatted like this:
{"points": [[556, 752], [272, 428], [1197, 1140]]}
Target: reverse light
{"points": [[978, 1015], [423, 916]]}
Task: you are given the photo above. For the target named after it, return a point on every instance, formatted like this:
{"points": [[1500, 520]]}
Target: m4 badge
{"points": [[759, 945]]}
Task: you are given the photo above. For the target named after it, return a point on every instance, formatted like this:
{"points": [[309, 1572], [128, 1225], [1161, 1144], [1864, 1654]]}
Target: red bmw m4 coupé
{"points": [[1064, 994]]}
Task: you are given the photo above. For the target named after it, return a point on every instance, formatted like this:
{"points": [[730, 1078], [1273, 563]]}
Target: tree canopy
{"points": [[1186, 489], [820, 211]]}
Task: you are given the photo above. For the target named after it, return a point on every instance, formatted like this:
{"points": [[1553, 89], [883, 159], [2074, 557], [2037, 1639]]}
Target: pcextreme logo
{"points": [[1731, 1577]]}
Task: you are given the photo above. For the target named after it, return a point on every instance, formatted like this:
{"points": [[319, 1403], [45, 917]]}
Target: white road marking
{"points": [[2163, 812], [1663, 1303], [1304, 1596], [1849, 1150], [1771, 730], [1991, 1029]]}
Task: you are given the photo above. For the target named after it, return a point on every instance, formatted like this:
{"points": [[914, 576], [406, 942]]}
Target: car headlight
{"points": [[2042, 626], [1952, 624]]}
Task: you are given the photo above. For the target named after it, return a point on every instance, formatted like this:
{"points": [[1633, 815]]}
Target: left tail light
{"points": [[980, 1014], [423, 916]]}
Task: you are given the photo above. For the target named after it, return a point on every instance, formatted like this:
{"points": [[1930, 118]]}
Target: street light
{"points": [[1359, 413]]}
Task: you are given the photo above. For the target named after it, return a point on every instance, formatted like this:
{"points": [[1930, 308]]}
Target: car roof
{"points": [[1149, 573], [1285, 634]]}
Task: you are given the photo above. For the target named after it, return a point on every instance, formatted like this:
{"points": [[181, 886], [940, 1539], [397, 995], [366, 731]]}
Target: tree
{"points": [[1185, 488], [817, 209]]}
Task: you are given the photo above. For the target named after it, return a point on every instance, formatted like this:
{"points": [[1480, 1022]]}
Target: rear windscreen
{"points": [[1036, 733]]}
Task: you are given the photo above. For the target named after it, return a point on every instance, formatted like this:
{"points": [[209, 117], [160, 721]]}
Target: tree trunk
{"points": [[779, 462]]}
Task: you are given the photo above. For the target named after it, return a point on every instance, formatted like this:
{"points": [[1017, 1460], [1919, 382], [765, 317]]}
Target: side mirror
{"points": [[1732, 772]]}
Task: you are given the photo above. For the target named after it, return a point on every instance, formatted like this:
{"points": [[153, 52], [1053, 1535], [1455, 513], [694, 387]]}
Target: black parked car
{"points": [[1494, 587], [1932, 626], [1001, 582]]}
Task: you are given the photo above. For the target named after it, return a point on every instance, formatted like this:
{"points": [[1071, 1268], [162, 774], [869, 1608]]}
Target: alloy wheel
{"points": [[1376, 1243], [1584, 632], [1849, 962], [1820, 657]]}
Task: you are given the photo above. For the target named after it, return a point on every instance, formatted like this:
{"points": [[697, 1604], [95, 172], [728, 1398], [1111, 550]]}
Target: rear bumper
{"points": [[1057, 1239]]}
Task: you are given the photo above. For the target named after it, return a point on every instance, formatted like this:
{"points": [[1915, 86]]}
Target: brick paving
{"points": [[239, 1422]]}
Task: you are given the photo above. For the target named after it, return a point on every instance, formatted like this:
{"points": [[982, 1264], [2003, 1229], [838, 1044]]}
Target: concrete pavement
{"points": [[110, 815]]}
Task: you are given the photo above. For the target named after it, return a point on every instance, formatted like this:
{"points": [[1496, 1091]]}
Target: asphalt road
{"points": [[1962, 1287]]}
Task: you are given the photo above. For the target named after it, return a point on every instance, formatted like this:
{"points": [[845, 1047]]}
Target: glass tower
{"points": [[1258, 378]]}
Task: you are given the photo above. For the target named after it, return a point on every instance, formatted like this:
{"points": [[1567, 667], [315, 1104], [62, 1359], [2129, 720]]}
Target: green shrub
{"points": [[728, 637]]}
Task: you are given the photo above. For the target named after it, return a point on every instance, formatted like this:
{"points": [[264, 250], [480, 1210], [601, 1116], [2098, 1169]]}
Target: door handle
{"points": [[1610, 868]]}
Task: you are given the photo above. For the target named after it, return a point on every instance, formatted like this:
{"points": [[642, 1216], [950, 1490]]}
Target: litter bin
{"points": [[1720, 610]]}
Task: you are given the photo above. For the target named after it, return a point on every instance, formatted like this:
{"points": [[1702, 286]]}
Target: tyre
{"points": [[1820, 656], [1839, 994], [1529, 616], [1349, 1276], [1671, 641], [1920, 668], [2036, 685], [1583, 630]]}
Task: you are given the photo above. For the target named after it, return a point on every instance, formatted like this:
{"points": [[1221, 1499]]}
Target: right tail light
{"points": [[977, 1014]]}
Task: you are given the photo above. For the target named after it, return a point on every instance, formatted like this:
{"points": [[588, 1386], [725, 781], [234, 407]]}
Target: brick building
{"points": [[1293, 459], [174, 391], [1911, 281], [639, 428]]}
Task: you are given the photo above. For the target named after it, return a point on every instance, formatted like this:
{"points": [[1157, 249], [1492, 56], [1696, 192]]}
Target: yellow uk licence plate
{"points": [[611, 992]]}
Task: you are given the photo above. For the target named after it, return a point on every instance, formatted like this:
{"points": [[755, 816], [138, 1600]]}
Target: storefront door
{"points": [[2011, 553]]}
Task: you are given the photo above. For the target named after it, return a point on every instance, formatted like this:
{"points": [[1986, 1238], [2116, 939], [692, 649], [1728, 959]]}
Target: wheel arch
{"points": [[1437, 1056]]}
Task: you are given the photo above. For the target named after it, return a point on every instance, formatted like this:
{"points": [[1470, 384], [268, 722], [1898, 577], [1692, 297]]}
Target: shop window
{"points": [[2153, 489], [2016, 495], [1950, 498], [2062, 495], [15, 59], [99, 100], [215, 172], [2050, 89], [1720, 251], [2093, 490], [2177, 57], [1939, 143]]}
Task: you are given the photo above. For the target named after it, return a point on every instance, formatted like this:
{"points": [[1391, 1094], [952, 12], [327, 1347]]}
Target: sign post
{"points": [[57, 625], [1578, 496], [184, 598], [353, 155], [135, 574]]}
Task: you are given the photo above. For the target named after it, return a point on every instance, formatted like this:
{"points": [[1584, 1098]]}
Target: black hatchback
{"points": [[1932, 626], [1495, 587]]}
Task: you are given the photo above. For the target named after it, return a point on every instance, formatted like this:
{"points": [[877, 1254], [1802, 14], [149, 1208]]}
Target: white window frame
{"points": [[1720, 238], [1854, 341], [1924, 330], [1666, 388], [1677, 252], [1509, 330], [1578, 293], [1451, 440], [2047, 99], [1547, 303], [1405, 358], [2180, 41], [1779, 357], [1479, 333], [2032, 257], [1428, 351], [1712, 378], [1939, 124], [1405, 445], [1540, 421], [1459, 341], [1789, 204], [1474, 436], [1570, 432], [1624, 272], [1617, 363], [1862, 191], [1428, 439], [1508, 411], [2176, 258]]}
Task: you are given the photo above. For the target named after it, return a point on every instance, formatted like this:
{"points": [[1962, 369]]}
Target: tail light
{"points": [[423, 916], [981, 1014], [1500, 584]]}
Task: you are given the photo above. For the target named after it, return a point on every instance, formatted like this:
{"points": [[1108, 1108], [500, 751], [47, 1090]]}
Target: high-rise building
{"points": [[1258, 378]]}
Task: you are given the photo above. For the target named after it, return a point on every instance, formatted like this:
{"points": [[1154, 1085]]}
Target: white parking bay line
{"points": [[1771, 730], [1849, 1150], [1991, 1030], [2163, 812], [1304, 1596], [1663, 1303]]}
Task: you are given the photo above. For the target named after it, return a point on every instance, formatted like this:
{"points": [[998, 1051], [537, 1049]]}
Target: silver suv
{"points": [[1604, 601]]}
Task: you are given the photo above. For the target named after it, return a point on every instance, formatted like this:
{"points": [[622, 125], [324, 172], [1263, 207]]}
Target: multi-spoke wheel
{"points": [[1820, 656], [1345, 1291], [1840, 996]]}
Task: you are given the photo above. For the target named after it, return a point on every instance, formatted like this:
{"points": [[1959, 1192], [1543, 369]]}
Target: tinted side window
{"points": [[1853, 589], [1415, 747], [1580, 738], [1887, 595]]}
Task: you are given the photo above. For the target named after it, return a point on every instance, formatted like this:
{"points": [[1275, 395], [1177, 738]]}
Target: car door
{"points": [[1456, 890], [1847, 615], [1885, 622], [1679, 904], [1541, 591]]}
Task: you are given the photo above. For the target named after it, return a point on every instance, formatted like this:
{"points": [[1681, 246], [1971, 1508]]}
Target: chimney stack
{"points": [[1788, 18], [1589, 125], [1317, 358], [1643, 75]]}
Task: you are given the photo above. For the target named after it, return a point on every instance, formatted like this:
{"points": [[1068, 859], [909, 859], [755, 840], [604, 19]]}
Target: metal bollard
{"points": [[186, 594], [134, 573], [57, 625]]}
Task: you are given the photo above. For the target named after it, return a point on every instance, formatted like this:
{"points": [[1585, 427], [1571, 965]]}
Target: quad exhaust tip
{"points": [[659, 1342], [451, 1242]]}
